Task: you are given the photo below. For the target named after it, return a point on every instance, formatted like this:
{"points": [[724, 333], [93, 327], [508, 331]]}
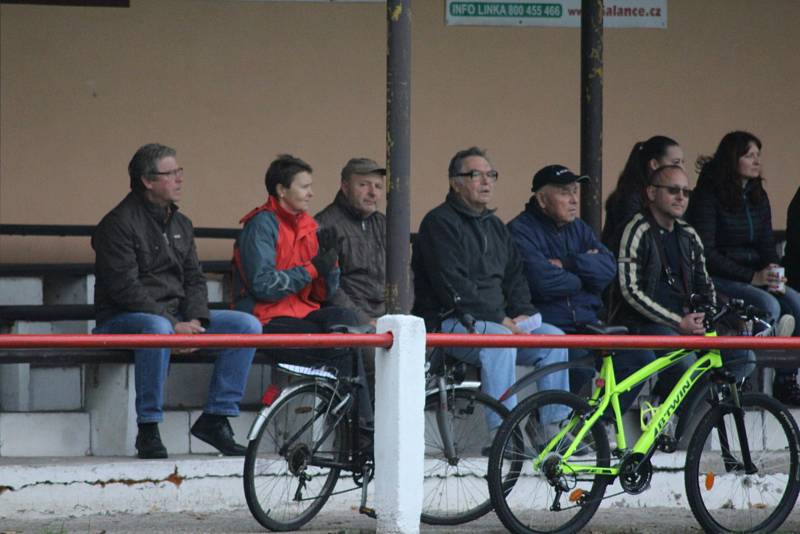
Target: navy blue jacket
{"points": [[572, 295]]}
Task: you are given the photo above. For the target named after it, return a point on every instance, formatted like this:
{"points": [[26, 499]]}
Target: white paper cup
{"points": [[780, 286]]}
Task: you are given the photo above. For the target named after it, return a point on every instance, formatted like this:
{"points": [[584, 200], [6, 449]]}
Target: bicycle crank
{"points": [[635, 473]]}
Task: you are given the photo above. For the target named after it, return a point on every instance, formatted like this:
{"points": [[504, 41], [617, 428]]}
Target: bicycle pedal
{"points": [[367, 511], [666, 444]]}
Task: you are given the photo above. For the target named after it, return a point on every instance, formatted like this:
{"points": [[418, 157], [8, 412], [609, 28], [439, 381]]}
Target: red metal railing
{"points": [[615, 342], [34, 341], [129, 341]]}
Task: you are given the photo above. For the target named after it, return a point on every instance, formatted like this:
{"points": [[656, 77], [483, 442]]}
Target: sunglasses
{"points": [[675, 190]]}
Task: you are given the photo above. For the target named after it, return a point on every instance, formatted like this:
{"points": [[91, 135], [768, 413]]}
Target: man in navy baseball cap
{"points": [[555, 175]]}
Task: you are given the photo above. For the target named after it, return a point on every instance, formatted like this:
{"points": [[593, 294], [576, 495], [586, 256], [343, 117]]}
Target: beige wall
{"points": [[230, 84]]}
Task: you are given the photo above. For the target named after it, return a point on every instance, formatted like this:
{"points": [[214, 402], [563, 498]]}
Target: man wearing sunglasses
{"points": [[661, 264], [149, 281], [464, 258]]}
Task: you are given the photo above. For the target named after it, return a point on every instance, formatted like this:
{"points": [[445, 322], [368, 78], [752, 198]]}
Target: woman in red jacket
{"points": [[284, 269]]}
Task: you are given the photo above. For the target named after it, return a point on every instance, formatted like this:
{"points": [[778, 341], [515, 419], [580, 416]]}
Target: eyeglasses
{"points": [[491, 176], [174, 173], [674, 189]]}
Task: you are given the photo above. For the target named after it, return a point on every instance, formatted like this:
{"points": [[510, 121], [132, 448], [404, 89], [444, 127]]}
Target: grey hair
{"points": [[145, 163], [461, 155]]}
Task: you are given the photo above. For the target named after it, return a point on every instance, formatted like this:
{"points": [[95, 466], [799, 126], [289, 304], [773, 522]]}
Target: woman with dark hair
{"points": [[627, 199], [731, 213], [284, 269]]}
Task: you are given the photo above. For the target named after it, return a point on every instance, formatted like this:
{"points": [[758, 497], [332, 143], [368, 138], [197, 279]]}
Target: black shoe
{"points": [[787, 391], [216, 431], [148, 442]]}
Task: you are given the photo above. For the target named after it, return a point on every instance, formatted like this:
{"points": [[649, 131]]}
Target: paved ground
{"points": [[617, 521]]}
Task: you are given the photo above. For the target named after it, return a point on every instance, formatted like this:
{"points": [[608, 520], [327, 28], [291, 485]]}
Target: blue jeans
{"points": [[498, 371], [774, 305], [669, 377], [230, 368]]}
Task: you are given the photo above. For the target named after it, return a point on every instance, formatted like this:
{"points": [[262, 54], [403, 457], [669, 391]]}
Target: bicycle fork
{"points": [[730, 461], [445, 429]]}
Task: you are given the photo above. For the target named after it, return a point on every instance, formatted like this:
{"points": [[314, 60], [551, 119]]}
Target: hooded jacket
{"points": [[273, 275], [566, 296], [460, 252]]}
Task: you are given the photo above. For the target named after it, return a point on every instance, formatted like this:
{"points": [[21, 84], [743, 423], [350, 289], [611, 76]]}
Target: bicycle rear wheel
{"points": [[287, 478], [455, 489], [723, 497], [541, 497]]}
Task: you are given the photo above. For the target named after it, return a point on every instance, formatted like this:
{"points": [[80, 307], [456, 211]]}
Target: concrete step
{"points": [[60, 487], [63, 434]]}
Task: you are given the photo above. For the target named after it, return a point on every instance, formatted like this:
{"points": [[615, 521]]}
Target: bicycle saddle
{"points": [[348, 329], [602, 329]]}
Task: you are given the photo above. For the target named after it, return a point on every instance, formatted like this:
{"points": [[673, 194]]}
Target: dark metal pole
{"points": [[592, 111], [398, 156]]}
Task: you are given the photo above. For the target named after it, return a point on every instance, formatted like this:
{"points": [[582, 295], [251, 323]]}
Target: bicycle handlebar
{"points": [[713, 314]]}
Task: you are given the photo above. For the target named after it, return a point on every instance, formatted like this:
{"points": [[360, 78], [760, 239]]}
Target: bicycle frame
{"points": [[611, 390]]}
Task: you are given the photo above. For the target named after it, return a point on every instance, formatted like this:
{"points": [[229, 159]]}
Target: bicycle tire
{"points": [[455, 490], [525, 505], [729, 500], [272, 479]]}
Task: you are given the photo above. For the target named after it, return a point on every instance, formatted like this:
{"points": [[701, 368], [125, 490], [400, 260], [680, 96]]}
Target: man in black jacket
{"points": [[464, 252], [660, 265], [149, 281], [792, 258]]}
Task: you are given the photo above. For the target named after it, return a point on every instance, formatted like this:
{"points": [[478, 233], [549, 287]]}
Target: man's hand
{"points": [[188, 327], [511, 324], [692, 324], [556, 262]]}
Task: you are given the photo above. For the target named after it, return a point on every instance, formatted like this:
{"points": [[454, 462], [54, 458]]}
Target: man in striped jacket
{"points": [[660, 265]]}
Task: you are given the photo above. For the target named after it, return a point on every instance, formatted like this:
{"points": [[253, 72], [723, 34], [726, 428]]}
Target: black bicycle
{"points": [[303, 439], [454, 488]]}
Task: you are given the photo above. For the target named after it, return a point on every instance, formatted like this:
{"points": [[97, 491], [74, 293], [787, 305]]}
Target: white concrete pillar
{"points": [[111, 403], [399, 425]]}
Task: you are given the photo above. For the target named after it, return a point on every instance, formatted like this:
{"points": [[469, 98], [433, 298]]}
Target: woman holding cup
{"points": [[731, 212]]}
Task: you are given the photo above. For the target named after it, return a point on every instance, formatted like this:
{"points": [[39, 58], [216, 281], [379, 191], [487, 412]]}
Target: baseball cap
{"points": [[362, 166], [555, 175]]}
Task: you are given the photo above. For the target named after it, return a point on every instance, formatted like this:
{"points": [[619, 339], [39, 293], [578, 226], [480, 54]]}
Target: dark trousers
{"points": [[347, 361]]}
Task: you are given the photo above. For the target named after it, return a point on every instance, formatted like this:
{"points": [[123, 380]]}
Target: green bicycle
{"points": [[742, 471]]}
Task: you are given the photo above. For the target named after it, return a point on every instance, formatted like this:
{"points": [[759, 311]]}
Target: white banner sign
{"points": [[563, 13]]}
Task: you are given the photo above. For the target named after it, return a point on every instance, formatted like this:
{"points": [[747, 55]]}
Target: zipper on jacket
{"points": [[749, 216]]}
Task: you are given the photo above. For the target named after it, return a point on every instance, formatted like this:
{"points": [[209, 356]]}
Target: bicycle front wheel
{"points": [[546, 495], [723, 495], [287, 473], [455, 489]]}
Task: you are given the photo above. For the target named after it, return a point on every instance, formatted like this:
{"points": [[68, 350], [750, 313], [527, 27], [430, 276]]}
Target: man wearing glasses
{"points": [[464, 258], [661, 264], [149, 281]]}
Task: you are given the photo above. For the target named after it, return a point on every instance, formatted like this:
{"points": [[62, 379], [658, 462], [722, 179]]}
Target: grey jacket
{"points": [[362, 258], [144, 263]]}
